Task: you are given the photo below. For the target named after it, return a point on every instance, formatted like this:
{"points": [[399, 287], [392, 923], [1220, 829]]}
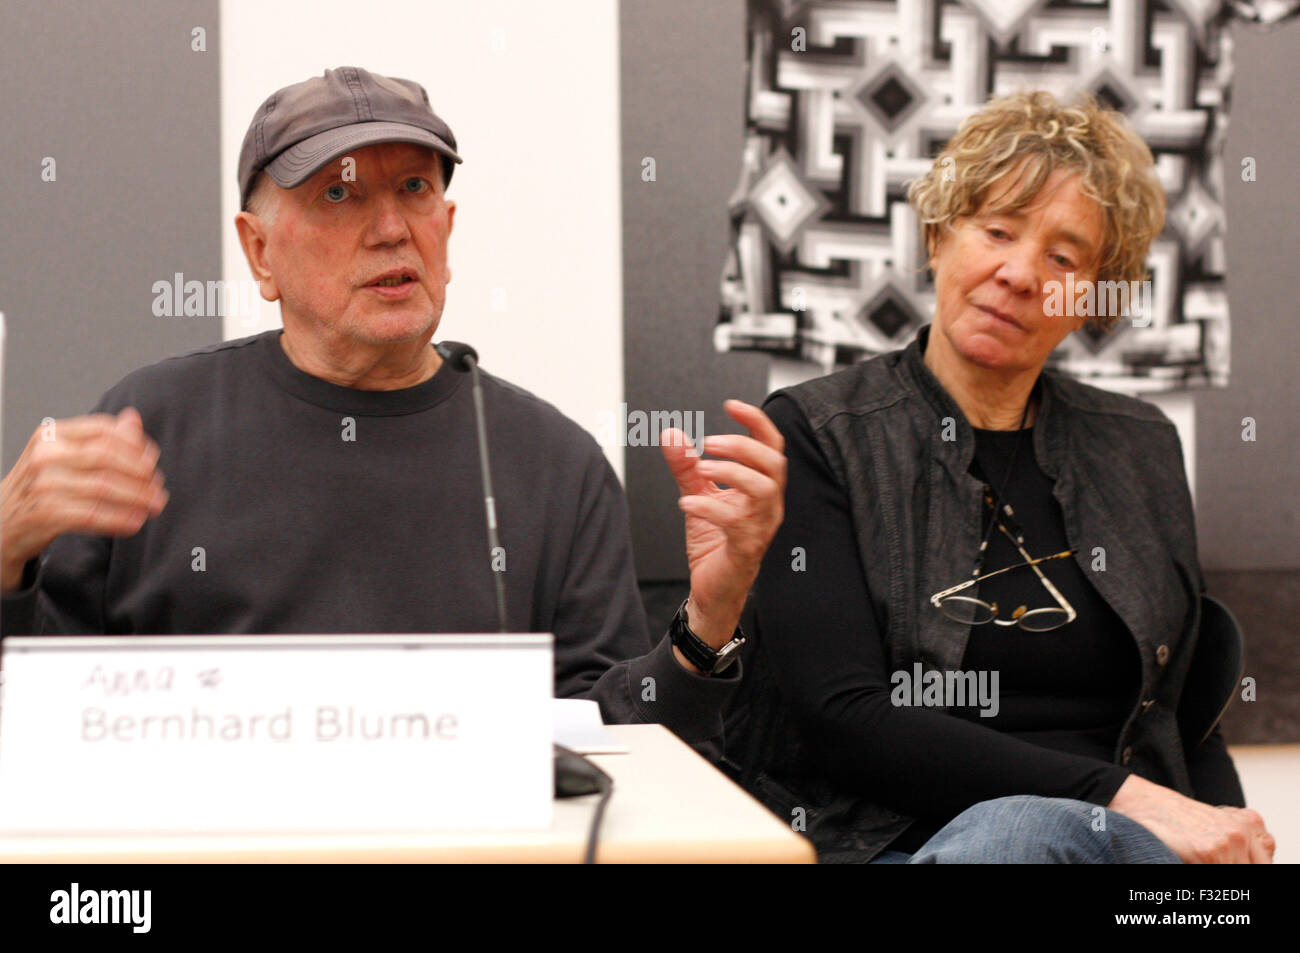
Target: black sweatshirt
{"points": [[299, 506], [1063, 695]]}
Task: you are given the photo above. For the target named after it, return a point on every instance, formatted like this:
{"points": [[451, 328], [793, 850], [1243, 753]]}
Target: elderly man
{"points": [[326, 478]]}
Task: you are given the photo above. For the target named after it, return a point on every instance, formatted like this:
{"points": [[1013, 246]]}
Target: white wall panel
{"points": [[531, 91]]}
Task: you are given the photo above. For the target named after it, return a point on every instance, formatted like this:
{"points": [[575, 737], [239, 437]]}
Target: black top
{"points": [[300, 506], [1063, 695]]}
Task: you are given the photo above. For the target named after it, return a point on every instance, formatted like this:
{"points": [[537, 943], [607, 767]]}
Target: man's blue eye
{"points": [[414, 184], [336, 193]]}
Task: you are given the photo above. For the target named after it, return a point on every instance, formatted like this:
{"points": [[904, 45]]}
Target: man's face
{"points": [[365, 259], [1002, 262]]}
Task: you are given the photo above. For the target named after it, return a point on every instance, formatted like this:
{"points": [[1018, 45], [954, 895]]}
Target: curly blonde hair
{"points": [[1115, 167]]}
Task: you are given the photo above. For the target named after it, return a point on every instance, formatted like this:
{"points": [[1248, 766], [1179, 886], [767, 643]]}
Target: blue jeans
{"points": [[1027, 829]]}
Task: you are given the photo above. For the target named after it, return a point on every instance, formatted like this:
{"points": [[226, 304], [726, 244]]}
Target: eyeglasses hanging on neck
{"points": [[970, 610]]}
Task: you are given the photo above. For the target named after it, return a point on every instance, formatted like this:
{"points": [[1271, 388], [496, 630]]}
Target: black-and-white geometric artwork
{"points": [[849, 101]]}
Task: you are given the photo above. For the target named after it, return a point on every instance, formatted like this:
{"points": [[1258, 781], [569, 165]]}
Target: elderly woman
{"points": [[974, 625]]}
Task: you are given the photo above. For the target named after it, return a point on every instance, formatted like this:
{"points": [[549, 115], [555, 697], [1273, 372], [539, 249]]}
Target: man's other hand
{"points": [[95, 474], [727, 530]]}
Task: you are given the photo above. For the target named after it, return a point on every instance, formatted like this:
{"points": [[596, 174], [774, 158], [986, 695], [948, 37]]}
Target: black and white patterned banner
{"points": [[849, 101]]}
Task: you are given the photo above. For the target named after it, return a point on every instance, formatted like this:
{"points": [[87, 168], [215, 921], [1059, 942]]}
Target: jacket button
{"points": [[1148, 705], [1162, 655], [1127, 756]]}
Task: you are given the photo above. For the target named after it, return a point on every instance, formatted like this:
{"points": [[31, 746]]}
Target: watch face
{"points": [[727, 656]]}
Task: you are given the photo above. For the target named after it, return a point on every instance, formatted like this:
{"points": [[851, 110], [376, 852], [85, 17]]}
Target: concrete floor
{"points": [[1270, 776]]}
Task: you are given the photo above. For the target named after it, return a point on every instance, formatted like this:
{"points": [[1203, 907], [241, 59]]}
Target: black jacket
{"points": [[1118, 476]]}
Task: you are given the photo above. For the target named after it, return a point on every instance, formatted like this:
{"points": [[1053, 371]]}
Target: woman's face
{"points": [[993, 273]]}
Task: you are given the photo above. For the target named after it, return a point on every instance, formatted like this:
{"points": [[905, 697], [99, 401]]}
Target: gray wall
{"points": [[683, 89], [683, 86], [129, 113], [1248, 494]]}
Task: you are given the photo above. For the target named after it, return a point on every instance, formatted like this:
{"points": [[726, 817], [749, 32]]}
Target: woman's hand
{"points": [[1196, 832]]}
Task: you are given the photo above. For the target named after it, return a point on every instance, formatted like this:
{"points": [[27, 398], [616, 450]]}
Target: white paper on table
{"points": [[578, 726], [268, 733]]}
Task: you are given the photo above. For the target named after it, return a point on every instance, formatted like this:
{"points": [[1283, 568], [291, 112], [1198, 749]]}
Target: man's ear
{"points": [[253, 237], [451, 215]]}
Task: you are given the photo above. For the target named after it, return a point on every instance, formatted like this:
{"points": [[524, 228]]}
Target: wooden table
{"points": [[669, 805]]}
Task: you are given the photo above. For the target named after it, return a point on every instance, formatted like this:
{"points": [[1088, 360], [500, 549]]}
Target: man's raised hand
{"points": [[95, 474], [727, 530]]}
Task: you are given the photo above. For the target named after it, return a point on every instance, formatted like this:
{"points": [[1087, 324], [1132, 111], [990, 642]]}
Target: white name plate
{"points": [[276, 733]]}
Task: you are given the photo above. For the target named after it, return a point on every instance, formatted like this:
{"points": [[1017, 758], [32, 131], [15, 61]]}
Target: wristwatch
{"points": [[708, 660]]}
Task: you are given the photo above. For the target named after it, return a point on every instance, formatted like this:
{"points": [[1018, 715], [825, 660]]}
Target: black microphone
{"points": [[462, 358], [574, 774]]}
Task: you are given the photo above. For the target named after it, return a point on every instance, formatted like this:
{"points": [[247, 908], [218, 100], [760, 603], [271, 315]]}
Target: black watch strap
{"points": [[699, 653]]}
